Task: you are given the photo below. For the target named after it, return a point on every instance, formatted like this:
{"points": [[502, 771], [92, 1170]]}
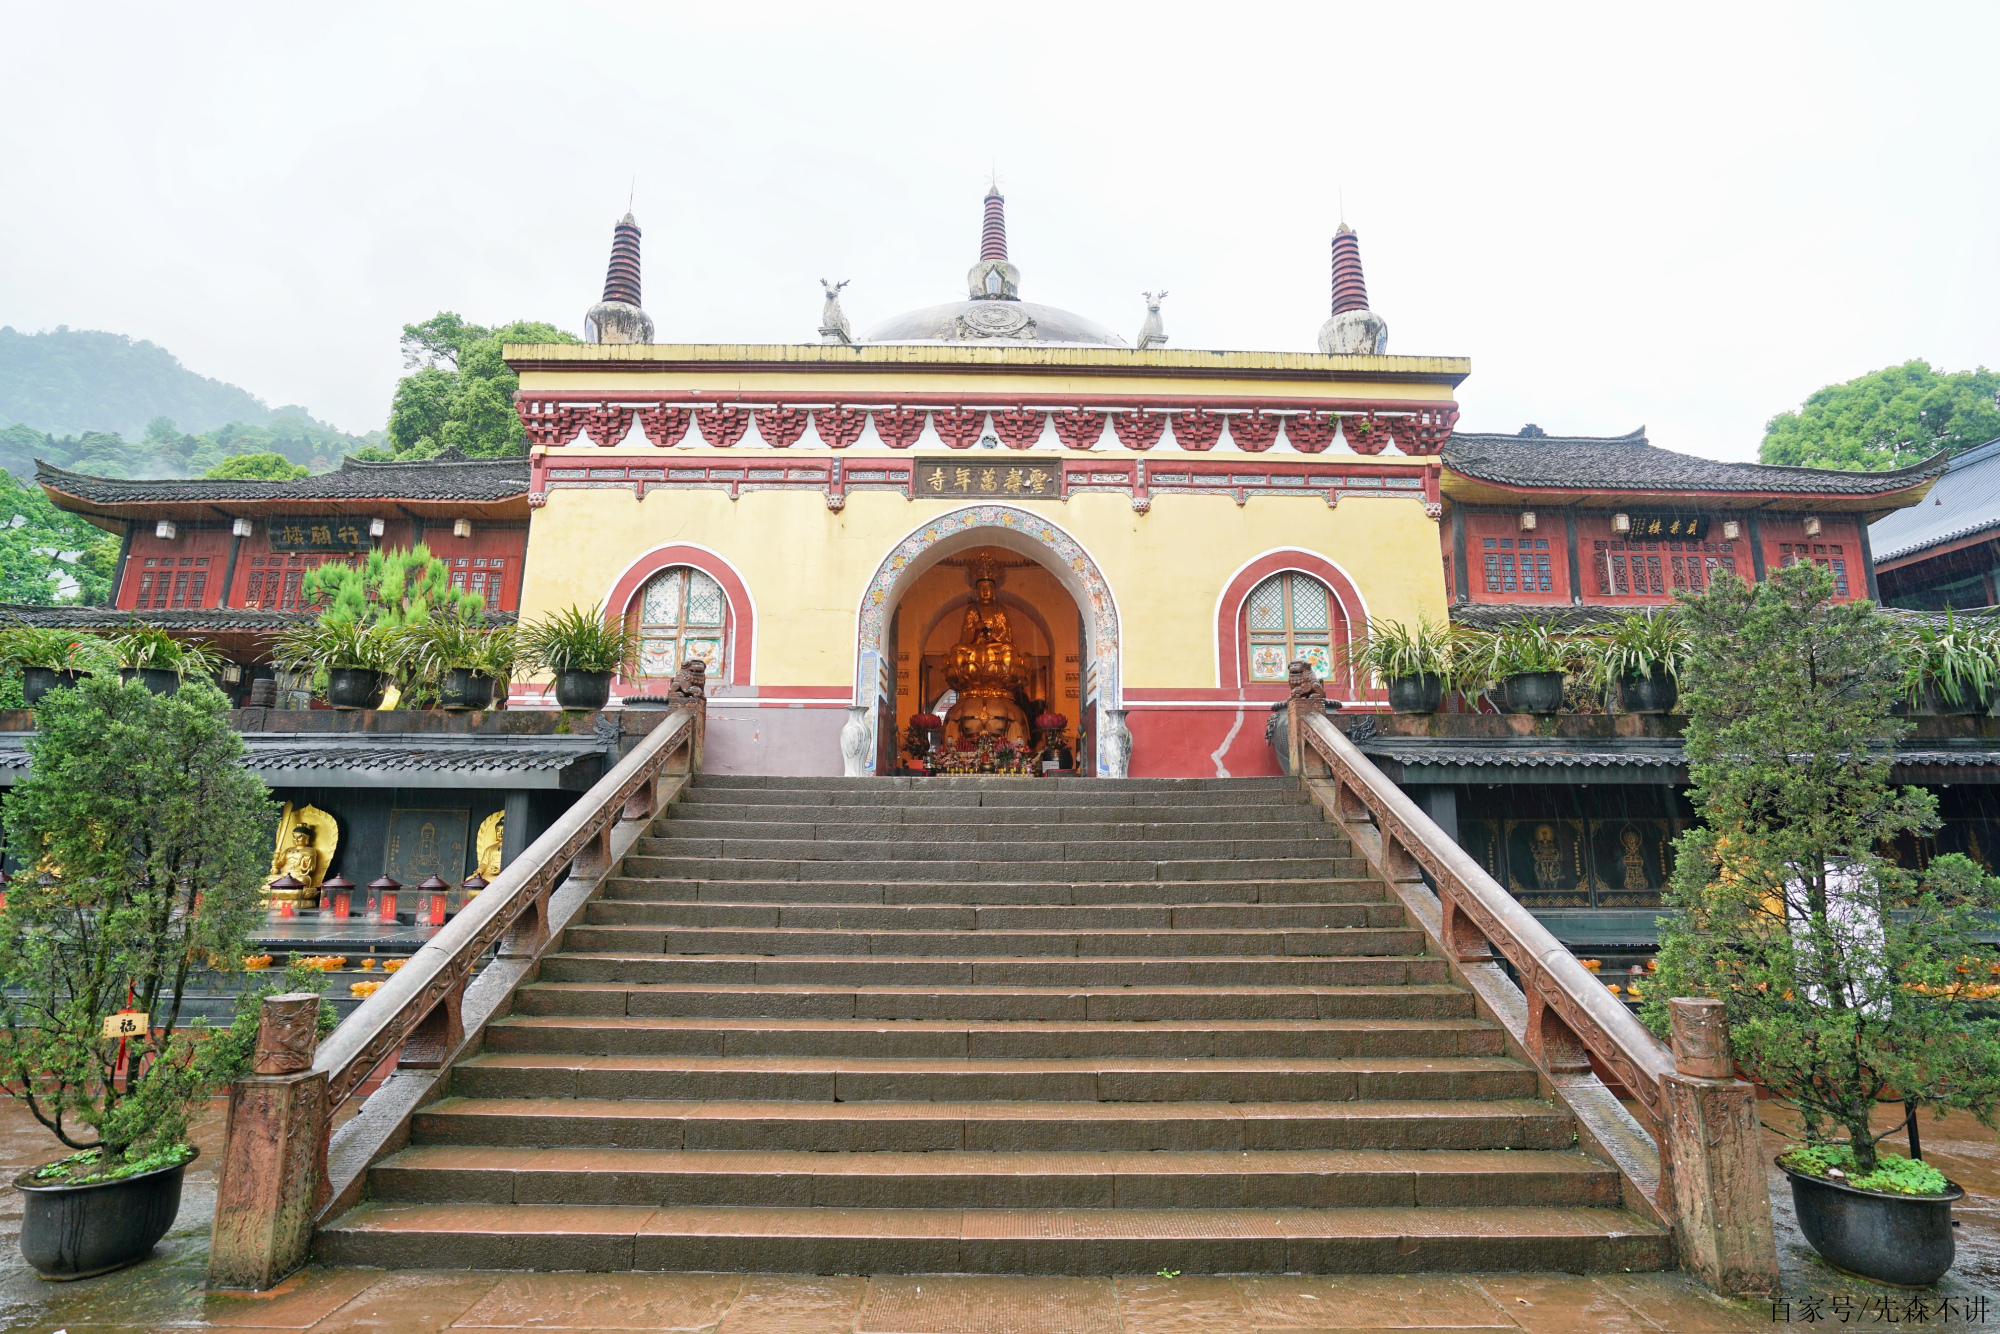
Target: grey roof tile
{"points": [[450, 476], [1629, 463], [1966, 501]]}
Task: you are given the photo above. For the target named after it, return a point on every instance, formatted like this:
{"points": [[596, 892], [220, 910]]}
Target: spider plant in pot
{"points": [[456, 660], [1418, 663], [1640, 658], [1527, 663], [1949, 667], [582, 650], [357, 658], [149, 655], [50, 659], [148, 835]]}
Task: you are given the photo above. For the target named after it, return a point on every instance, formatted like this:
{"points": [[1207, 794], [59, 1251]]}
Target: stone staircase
{"points": [[993, 1026]]}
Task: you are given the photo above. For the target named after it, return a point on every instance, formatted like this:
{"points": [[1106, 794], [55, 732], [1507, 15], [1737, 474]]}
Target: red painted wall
{"points": [[1170, 742], [171, 573]]}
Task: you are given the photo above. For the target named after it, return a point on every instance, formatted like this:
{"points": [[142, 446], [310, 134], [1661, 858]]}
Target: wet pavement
{"points": [[166, 1292]]}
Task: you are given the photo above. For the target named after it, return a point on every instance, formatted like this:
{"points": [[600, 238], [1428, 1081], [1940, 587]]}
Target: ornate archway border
{"points": [[1074, 566]]}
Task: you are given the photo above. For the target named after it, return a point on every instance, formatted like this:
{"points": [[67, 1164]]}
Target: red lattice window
{"points": [[1827, 554], [1641, 569], [1512, 566]]}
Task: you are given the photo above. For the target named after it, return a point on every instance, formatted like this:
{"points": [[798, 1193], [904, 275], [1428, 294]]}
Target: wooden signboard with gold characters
{"points": [[1015, 476]]}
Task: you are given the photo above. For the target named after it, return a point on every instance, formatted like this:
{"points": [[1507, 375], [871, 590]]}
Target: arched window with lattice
{"points": [[682, 615], [1289, 616]]}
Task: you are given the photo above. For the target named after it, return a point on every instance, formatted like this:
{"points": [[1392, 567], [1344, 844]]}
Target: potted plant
{"points": [[1639, 657], [582, 650], [1840, 973], [148, 836], [357, 658], [1527, 663], [1417, 663], [50, 659], [1949, 666], [456, 660], [147, 654]]}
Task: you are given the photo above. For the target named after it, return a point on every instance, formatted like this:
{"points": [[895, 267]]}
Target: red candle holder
{"points": [[337, 897], [383, 890], [437, 888]]}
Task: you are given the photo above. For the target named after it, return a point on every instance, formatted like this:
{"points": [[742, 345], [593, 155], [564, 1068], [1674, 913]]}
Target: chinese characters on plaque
{"points": [[1669, 527], [1002, 477], [319, 533]]}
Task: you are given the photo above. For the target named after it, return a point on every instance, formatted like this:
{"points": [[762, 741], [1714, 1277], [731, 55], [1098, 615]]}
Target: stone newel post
{"points": [[1720, 1193], [274, 1163]]}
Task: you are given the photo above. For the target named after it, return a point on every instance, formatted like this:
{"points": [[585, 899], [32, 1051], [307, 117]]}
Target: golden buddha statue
{"points": [[307, 837], [984, 667], [492, 839]]}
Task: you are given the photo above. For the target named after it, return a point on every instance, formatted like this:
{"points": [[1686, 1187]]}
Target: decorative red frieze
{"points": [[1311, 432], [722, 425], [839, 427], [1139, 430], [607, 426], [548, 423], [1365, 435], [1019, 428], [959, 427], [1423, 432], [1197, 430], [1253, 431], [1078, 428], [665, 427], [781, 427], [899, 427]]}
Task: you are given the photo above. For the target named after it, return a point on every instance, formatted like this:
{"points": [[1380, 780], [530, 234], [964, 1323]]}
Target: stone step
{"points": [[1358, 941], [939, 917], [962, 971], [957, 893], [923, 1127], [1063, 788], [919, 1079], [975, 1179], [998, 1241], [692, 809], [1031, 836], [689, 865], [1129, 1004], [1059, 853], [996, 1039], [1020, 797]]}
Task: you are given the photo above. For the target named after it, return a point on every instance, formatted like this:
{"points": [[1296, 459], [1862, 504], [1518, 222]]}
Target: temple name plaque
{"points": [[1026, 475]]}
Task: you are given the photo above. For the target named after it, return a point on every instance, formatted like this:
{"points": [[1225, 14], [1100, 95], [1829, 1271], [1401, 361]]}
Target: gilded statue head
{"points": [[302, 835], [983, 591]]}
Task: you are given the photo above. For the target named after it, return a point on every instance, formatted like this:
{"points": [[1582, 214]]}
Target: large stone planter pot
{"points": [[352, 687], [1904, 1240], [39, 681], [1532, 692], [76, 1231], [1416, 694], [159, 680], [588, 691], [1656, 692], [464, 688]]}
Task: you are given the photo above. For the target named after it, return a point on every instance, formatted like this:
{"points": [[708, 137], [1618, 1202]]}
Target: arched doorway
{"points": [[1054, 567]]}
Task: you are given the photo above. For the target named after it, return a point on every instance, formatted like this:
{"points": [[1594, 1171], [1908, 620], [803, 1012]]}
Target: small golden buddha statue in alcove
{"points": [[984, 667]]}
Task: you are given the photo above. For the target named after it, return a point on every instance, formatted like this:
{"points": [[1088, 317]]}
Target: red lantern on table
{"points": [[437, 887], [384, 892], [336, 897]]}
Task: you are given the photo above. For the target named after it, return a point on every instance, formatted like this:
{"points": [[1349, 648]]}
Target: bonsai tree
{"points": [[1845, 978], [391, 588], [143, 840]]}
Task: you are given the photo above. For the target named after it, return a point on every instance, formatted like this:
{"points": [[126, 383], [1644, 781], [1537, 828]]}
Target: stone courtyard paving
{"points": [[166, 1293]]}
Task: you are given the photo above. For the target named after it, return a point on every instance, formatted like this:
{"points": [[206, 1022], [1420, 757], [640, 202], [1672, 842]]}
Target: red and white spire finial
{"points": [[1354, 328]]}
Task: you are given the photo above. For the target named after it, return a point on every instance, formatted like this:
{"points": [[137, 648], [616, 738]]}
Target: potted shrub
{"points": [[50, 659], [358, 659], [1418, 664], [582, 650], [1527, 663], [1949, 667], [456, 661], [149, 838], [147, 654], [1843, 976], [1639, 658]]}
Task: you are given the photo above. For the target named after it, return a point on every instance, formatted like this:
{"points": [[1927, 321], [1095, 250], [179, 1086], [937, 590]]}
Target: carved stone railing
{"points": [[275, 1181], [1696, 1166]]}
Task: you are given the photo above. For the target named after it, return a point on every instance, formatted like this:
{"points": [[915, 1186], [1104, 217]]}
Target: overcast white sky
{"points": [[1685, 216]]}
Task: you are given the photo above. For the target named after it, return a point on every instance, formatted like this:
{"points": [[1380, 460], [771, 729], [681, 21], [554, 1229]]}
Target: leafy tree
{"points": [[1887, 419], [1840, 972], [460, 392], [268, 467], [392, 589], [150, 836], [35, 536]]}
